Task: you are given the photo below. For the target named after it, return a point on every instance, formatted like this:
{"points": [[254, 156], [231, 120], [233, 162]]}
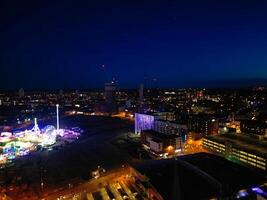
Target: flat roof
{"points": [[243, 142], [172, 122], [154, 113], [198, 176], [160, 135]]}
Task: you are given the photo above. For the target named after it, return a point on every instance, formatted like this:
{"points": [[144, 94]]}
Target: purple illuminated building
{"points": [[147, 121], [143, 122]]}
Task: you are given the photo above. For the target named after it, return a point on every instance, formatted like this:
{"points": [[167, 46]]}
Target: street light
{"points": [[57, 118], [170, 149]]}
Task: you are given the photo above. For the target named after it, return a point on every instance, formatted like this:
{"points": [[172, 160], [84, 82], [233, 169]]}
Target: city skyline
{"points": [[133, 100], [161, 44]]}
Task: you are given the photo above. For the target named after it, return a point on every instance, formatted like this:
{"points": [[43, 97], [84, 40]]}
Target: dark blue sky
{"points": [[62, 44]]}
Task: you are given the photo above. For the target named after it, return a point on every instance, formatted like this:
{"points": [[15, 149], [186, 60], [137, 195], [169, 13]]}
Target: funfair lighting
{"points": [[23, 142]]}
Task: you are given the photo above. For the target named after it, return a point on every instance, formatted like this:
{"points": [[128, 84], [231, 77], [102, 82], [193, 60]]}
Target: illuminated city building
{"points": [[147, 121], [241, 148], [200, 94], [160, 144], [229, 126], [167, 116], [202, 125], [143, 122], [171, 127]]}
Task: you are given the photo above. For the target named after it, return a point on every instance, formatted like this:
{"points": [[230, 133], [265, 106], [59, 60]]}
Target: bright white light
{"points": [[177, 150], [57, 118], [28, 140]]}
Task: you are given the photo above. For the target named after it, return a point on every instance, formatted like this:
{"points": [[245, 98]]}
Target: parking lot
{"points": [[118, 184]]}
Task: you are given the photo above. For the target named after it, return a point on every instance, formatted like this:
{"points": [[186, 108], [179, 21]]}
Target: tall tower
{"points": [[110, 106], [57, 118], [110, 90], [36, 127], [61, 93], [21, 93]]}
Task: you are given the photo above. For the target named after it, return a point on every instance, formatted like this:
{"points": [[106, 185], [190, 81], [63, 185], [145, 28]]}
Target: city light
{"points": [[151, 100], [170, 149], [22, 143], [257, 190]]}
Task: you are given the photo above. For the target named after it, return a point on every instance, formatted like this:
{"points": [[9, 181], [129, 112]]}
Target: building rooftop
{"points": [[243, 142], [160, 135], [172, 122], [198, 176], [154, 113]]}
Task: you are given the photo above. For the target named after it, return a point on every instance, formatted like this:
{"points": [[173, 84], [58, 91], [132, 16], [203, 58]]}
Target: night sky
{"points": [[50, 44]]}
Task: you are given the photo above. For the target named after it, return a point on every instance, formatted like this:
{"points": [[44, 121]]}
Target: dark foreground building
{"points": [[200, 176], [192, 177]]}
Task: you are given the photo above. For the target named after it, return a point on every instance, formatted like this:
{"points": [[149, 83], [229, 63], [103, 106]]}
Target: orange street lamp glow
{"points": [[170, 149]]}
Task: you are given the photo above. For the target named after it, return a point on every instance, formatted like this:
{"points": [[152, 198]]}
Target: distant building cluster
{"points": [[232, 125], [161, 116], [174, 123]]}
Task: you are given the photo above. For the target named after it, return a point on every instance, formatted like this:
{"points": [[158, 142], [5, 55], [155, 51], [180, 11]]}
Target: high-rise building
{"points": [[110, 92], [21, 93], [61, 93], [109, 105], [202, 125]]}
